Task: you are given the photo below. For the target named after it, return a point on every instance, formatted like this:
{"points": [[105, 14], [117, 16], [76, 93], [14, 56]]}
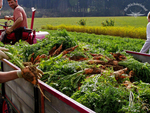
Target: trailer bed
{"points": [[26, 98], [143, 57]]}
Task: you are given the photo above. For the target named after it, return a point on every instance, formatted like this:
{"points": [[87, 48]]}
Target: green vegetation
{"points": [[101, 91], [134, 27], [90, 21], [82, 22], [129, 31], [108, 23]]}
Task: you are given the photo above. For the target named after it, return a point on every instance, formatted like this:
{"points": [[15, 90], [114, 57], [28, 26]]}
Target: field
{"points": [[90, 21]]}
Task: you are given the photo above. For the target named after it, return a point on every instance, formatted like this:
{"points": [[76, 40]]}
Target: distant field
{"points": [[90, 21]]}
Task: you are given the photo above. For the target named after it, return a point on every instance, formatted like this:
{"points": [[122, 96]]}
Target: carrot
{"points": [[36, 59], [131, 73], [112, 62], [92, 71], [43, 56], [118, 74], [29, 73], [32, 59], [122, 71], [103, 67], [57, 51], [93, 54], [129, 85], [99, 56], [52, 50], [81, 59], [77, 58], [96, 62], [27, 63], [118, 56], [69, 50], [115, 63]]}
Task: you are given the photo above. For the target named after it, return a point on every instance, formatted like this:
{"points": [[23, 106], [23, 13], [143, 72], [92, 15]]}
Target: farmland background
{"points": [[90, 21], [69, 12], [81, 8]]}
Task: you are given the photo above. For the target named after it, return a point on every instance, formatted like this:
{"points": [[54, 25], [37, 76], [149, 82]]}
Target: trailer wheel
{"points": [[5, 107]]}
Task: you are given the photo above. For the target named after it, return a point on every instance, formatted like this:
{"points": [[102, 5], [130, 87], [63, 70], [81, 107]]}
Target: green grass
{"points": [[90, 21]]}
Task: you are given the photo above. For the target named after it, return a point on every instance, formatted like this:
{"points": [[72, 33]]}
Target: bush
{"points": [[108, 23], [82, 22]]}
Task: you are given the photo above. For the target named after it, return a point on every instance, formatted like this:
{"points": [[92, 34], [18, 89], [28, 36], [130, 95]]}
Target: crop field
{"points": [[90, 21]]}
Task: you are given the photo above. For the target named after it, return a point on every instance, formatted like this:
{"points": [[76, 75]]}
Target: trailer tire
{"points": [[5, 107]]}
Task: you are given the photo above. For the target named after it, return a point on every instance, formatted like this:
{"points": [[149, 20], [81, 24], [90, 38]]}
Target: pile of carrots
{"points": [[119, 71]]}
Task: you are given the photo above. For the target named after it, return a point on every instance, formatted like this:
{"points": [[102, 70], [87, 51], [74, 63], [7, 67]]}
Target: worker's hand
{"points": [[4, 49], [2, 35], [9, 30], [30, 74], [3, 55], [8, 17]]}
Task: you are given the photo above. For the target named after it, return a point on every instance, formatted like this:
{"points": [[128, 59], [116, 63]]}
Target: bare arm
{"points": [[15, 25], [7, 76], [9, 18]]}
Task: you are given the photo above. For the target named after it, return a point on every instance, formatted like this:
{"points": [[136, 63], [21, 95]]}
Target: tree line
{"points": [[82, 8]]}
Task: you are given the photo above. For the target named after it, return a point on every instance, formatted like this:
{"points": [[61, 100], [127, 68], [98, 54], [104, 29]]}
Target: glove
{"points": [[31, 74], [4, 49], [2, 35], [3, 55]]}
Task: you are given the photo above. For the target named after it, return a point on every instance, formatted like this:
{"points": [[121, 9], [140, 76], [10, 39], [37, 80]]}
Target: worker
{"points": [[20, 20], [11, 75], [146, 46], [24, 73], [19, 17]]}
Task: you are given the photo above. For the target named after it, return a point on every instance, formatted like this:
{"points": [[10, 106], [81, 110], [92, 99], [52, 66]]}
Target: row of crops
{"points": [[92, 69], [130, 31]]}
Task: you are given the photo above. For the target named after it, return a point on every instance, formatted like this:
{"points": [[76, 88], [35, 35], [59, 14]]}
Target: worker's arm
{"points": [[7, 76], [15, 25], [25, 73]]}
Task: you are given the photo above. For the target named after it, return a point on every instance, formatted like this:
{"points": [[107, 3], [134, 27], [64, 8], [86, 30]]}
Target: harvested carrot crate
{"points": [[98, 80]]}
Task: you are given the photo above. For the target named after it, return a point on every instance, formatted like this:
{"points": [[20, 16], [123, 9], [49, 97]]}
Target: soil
{"points": [[28, 76]]}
